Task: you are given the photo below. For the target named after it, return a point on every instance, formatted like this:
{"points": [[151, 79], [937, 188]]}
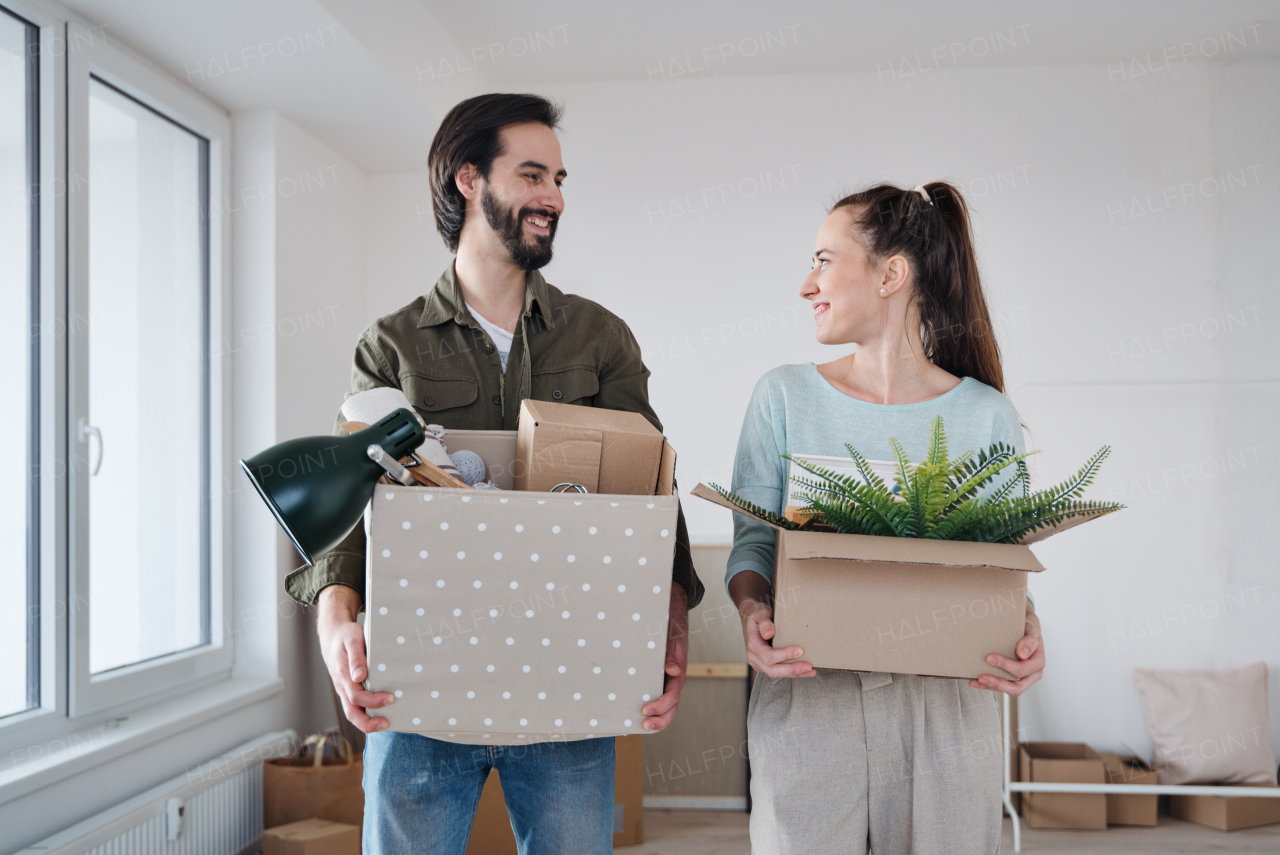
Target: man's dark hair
{"points": [[471, 133]]}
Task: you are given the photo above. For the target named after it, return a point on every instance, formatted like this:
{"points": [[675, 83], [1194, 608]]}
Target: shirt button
{"points": [[430, 402], [497, 399], [488, 348], [557, 394]]}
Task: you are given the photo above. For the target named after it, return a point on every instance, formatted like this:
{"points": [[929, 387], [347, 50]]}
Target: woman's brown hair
{"points": [[934, 235]]}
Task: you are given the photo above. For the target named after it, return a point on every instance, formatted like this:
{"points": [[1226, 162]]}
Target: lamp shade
{"points": [[317, 486]]}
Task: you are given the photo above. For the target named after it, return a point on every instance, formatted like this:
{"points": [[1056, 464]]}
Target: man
{"points": [[490, 333]]}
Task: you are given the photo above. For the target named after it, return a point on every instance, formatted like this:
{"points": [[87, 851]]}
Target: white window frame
{"points": [[70, 698], [91, 54], [50, 715]]}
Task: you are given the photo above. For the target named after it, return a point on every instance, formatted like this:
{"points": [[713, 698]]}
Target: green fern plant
{"points": [[939, 498]]}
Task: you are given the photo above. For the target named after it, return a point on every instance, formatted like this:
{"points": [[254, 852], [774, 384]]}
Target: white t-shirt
{"points": [[501, 338]]}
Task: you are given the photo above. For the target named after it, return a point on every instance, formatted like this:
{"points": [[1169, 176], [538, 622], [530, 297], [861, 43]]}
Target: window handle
{"points": [[87, 430]]}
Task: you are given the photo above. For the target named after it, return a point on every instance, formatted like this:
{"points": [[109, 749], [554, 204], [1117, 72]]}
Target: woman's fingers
{"points": [[1019, 667], [777, 663], [789, 669], [995, 684]]}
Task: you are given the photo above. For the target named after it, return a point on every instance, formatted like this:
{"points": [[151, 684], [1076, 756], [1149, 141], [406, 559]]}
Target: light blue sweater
{"points": [[795, 410]]}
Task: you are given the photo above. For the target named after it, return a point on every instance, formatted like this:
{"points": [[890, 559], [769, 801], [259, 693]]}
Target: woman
{"points": [[844, 760]]}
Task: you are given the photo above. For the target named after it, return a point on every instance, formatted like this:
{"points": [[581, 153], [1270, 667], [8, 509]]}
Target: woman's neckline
{"points": [[964, 381]]}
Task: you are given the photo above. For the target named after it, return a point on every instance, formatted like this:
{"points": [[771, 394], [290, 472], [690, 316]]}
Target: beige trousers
{"points": [[851, 762]]}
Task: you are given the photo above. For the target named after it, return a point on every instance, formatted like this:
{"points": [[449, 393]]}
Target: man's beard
{"points": [[526, 254]]}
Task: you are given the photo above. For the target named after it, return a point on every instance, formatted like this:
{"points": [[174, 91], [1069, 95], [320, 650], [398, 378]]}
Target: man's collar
{"points": [[444, 301]]}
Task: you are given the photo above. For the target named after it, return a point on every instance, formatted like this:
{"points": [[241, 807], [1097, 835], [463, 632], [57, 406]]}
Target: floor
{"points": [[691, 832]]}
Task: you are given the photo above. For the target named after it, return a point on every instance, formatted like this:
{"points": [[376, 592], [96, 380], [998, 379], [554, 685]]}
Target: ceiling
{"points": [[371, 78]]}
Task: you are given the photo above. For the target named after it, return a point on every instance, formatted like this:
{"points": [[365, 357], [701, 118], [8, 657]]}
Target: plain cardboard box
{"points": [[896, 604], [491, 832], [606, 451], [1226, 813], [1062, 763], [1130, 809], [312, 837], [508, 617]]}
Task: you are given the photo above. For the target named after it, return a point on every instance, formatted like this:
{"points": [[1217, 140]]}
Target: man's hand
{"points": [[1028, 667], [660, 712], [342, 645]]}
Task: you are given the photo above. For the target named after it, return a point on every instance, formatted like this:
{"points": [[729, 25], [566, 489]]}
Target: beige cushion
{"points": [[1209, 726]]}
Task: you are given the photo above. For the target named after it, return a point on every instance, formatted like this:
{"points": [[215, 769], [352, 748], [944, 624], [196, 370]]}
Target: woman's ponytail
{"points": [[930, 227]]}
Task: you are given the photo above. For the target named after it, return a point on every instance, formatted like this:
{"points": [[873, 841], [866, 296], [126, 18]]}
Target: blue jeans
{"points": [[420, 794]]}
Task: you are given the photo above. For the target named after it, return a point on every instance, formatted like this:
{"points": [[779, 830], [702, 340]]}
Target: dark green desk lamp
{"points": [[317, 486]]}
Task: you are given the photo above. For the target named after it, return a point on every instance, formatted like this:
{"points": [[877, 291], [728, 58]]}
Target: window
{"points": [[145, 402], [144, 453], [19, 431], [114, 543]]}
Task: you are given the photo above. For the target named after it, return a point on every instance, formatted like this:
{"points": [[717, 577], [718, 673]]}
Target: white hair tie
{"points": [[919, 188]]}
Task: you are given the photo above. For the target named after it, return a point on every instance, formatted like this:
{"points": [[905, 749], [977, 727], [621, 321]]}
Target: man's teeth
{"points": [[539, 222]]}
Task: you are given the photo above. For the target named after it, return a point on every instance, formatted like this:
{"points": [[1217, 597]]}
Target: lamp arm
{"points": [[389, 463]]}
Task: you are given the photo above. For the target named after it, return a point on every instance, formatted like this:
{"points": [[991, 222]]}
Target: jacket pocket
{"points": [[565, 386], [430, 395]]}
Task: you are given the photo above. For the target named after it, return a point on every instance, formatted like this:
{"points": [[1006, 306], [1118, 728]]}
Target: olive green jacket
{"points": [[566, 349]]}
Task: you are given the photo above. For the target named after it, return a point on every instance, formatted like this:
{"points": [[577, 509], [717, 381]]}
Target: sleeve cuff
{"points": [[746, 566], [336, 568]]}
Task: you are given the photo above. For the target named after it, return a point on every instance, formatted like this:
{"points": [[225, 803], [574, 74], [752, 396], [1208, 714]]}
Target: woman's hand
{"points": [[1028, 667], [750, 592]]}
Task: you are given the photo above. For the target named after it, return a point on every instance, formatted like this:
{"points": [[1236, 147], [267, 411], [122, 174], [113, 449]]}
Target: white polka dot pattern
{"points": [[518, 645]]}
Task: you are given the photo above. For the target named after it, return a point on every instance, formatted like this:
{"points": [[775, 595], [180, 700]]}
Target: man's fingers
{"points": [[767, 629], [660, 722], [1027, 646], [355, 659], [359, 697], [357, 716], [666, 702]]}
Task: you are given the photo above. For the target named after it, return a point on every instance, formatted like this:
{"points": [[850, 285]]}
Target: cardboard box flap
{"points": [[803, 545], [594, 418], [702, 491], [891, 550], [666, 471], [1049, 531]]}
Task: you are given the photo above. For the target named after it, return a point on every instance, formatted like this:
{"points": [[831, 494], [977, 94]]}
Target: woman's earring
{"points": [[882, 292]]}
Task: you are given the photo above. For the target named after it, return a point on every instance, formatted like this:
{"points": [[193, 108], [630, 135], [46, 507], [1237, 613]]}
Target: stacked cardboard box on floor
{"points": [[312, 837], [491, 832], [1227, 813], [1130, 809], [1062, 763]]}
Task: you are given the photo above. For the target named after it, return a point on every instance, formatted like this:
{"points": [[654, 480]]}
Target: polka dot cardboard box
{"points": [[503, 617]]}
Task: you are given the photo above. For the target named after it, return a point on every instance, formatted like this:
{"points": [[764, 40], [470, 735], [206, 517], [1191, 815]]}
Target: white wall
{"points": [[299, 249], [663, 227]]}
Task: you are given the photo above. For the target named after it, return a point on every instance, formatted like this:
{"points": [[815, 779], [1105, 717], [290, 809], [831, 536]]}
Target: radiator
{"points": [[215, 809]]}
